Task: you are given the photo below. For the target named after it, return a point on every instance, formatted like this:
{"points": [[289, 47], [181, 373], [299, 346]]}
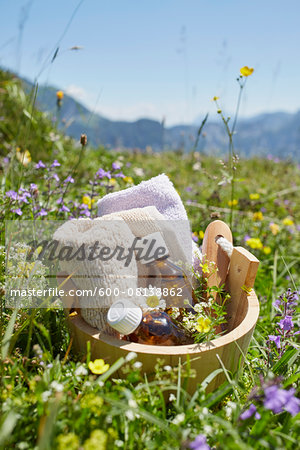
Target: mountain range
{"points": [[276, 134]]}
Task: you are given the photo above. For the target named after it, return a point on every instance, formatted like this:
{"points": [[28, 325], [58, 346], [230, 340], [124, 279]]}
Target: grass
{"points": [[49, 397]]}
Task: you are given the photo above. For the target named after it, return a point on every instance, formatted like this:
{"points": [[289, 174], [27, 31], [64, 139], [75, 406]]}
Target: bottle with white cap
{"points": [[176, 288], [150, 327]]}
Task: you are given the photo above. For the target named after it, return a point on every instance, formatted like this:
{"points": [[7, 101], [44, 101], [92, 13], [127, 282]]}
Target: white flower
{"points": [[132, 403], [81, 371], [167, 368], [58, 387], [178, 419], [198, 307], [172, 398], [139, 172], [130, 356], [129, 414], [152, 299], [119, 443], [137, 365], [197, 166], [46, 395]]}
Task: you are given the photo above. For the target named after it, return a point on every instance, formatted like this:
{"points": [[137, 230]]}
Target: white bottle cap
{"points": [[154, 247], [124, 316]]}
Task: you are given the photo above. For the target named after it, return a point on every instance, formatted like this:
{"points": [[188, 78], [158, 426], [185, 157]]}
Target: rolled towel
{"points": [[159, 192], [94, 274]]}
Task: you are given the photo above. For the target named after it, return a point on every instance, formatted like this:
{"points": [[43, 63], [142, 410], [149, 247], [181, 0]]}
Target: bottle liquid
{"points": [[150, 327], [176, 288]]}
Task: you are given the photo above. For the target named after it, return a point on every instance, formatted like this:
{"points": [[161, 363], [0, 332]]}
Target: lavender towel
{"points": [[159, 192]]}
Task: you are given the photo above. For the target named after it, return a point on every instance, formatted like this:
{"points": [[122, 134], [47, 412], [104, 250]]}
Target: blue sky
{"points": [[158, 58]]}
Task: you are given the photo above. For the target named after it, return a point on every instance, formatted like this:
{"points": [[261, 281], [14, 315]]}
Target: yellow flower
{"points": [[112, 182], [201, 234], [98, 366], [267, 250], [152, 301], [246, 71], [86, 200], [234, 202], [59, 95], [24, 158], [254, 196], [204, 325], [274, 228], [215, 98], [205, 267], [254, 243], [257, 216], [128, 180], [288, 222]]}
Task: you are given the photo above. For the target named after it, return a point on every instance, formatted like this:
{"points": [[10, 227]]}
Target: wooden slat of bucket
{"points": [[240, 279], [213, 253]]}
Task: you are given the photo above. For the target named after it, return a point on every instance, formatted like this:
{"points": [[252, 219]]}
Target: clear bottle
{"points": [[151, 327]]}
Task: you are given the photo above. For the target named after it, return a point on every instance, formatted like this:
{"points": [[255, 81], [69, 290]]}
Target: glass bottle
{"points": [[150, 327]]}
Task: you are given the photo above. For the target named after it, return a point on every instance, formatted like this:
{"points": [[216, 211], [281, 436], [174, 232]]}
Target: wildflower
{"points": [[12, 195], [64, 208], [195, 237], [58, 387], [172, 398], [97, 440], [98, 366], [249, 413], [267, 250], [17, 211], [113, 181], [278, 400], [139, 172], [204, 325], [233, 202], [59, 95], [254, 243], [254, 196], [246, 71], [86, 200], [167, 368], [152, 299], [288, 222], [69, 179], [286, 324], [257, 216], [274, 228], [24, 158], [83, 140], [130, 356], [199, 443], [81, 371], [40, 165], [116, 166], [42, 212], [201, 234], [276, 340], [55, 163], [102, 173], [178, 419], [137, 365], [215, 98], [69, 441], [128, 180], [56, 177], [219, 111]]}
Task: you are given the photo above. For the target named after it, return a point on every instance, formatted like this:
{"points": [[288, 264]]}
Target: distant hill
{"points": [[276, 133]]}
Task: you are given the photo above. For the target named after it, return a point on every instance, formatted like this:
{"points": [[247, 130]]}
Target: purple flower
{"points": [[12, 194], [17, 211], [188, 189], [69, 179], [119, 175], [286, 324], [128, 164], [278, 400], [56, 177], [23, 197], [64, 208], [40, 165], [275, 339], [42, 212], [195, 238], [277, 303], [102, 173], [33, 187], [55, 163], [85, 212], [247, 237], [199, 443], [249, 413], [115, 166]]}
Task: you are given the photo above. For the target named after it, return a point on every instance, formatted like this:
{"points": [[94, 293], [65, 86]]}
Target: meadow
{"points": [[53, 399]]}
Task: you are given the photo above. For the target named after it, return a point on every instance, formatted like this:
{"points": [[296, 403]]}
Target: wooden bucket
{"points": [[225, 352]]}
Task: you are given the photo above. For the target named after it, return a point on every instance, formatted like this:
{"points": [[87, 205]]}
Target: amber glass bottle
{"points": [[150, 327]]}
